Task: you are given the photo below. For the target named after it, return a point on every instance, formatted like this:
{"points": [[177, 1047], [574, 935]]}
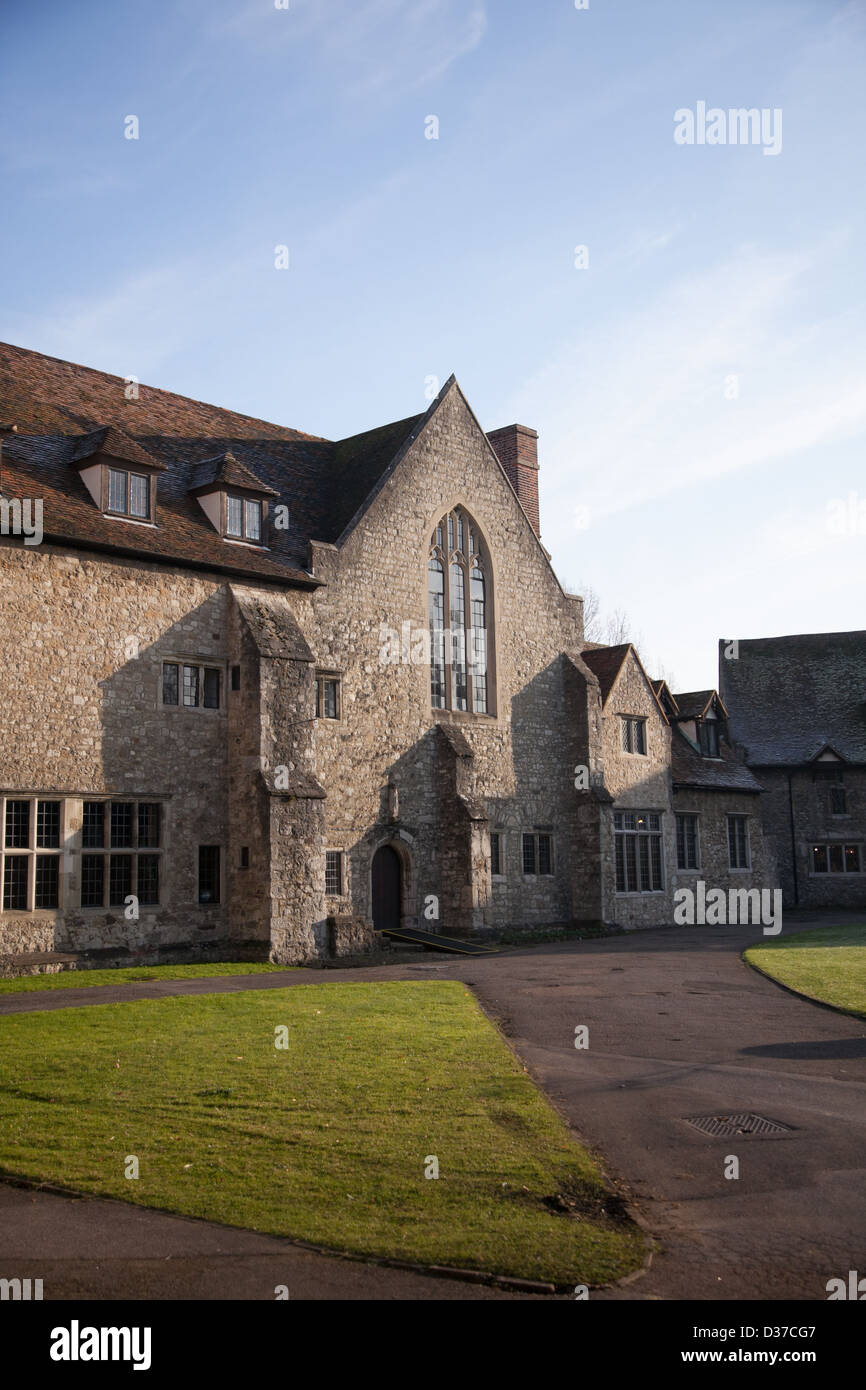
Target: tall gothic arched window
{"points": [[458, 588]]}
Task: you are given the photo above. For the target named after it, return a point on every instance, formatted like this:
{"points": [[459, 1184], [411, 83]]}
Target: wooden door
{"points": [[386, 888]]}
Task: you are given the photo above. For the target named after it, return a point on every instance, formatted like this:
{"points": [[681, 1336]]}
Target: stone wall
{"points": [[803, 794], [83, 641], [712, 809], [637, 782], [520, 754], [274, 787], [350, 936]]}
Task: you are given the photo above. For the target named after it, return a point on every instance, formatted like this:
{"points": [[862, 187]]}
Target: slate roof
{"points": [[789, 697], [690, 769], [61, 408], [693, 704]]}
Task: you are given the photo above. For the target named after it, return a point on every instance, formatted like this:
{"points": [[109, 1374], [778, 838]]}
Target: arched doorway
{"points": [[387, 884]]}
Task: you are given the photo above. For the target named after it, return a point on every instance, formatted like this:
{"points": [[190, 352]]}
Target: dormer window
{"points": [[233, 498], [243, 518], [128, 494], [118, 473], [709, 736]]}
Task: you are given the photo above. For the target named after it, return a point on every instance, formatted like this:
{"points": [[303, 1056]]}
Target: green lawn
{"points": [[327, 1140], [80, 979], [828, 964]]}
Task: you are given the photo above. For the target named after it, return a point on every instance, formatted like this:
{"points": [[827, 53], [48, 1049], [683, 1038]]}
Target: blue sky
{"points": [[696, 505]]}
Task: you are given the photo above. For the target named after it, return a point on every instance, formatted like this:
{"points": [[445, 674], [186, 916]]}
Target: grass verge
{"points": [[327, 1140], [828, 964], [124, 975]]}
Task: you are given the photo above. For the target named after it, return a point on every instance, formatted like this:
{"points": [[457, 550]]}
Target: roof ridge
{"points": [[162, 391]]}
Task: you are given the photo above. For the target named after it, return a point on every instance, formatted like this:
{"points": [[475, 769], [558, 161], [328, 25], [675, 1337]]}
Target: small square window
{"points": [[633, 734], [128, 494], [537, 854]]}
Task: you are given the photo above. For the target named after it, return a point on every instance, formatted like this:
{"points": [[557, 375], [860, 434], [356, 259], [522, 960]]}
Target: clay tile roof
{"points": [[789, 697], [605, 663], [226, 471], [324, 484], [114, 443]]}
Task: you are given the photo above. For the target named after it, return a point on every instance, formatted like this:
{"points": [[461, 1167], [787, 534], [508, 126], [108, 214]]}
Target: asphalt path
{"points": [[678, 1027]]}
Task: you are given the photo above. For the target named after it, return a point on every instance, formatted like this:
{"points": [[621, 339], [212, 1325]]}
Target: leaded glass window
{"points": [[458, 578]]}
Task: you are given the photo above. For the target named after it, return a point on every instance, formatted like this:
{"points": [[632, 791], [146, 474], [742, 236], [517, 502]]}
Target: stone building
{"points": [[798, 716], [263, 692]]}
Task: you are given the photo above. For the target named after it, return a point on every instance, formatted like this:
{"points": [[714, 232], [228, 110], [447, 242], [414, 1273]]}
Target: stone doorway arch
{"points": [[386, 880]]}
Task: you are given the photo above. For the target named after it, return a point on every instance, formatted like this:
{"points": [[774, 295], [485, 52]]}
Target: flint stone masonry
{"points": [[351, 936], [81, 719]]}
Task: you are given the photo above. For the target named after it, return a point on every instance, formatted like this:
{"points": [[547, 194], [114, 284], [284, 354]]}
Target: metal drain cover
{"points": [[723, 1126]]}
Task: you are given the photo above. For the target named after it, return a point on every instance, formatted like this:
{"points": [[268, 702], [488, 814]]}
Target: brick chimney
{"points": [[516, 447]]}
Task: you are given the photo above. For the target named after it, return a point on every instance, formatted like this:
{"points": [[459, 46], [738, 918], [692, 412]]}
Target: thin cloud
{"points": [[366, 45], [707, 379]]}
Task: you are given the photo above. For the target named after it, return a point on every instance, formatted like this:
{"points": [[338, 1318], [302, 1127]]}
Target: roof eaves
{"points": [[294, 578]]}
